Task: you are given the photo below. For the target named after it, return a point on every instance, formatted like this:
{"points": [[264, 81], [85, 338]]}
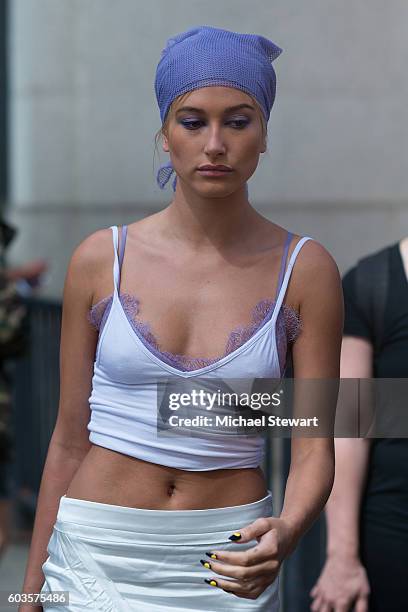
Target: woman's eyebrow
{"points": [[193, 109]]}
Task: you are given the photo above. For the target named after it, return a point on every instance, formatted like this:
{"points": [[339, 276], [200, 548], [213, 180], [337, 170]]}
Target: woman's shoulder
{"points": [[315, 255], [316, 279], [90, 267], [312, 254], [314, 268], [94, 249]]}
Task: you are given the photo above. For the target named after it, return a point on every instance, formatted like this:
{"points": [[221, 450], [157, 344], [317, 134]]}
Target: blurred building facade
{"points": [[83, 116]]}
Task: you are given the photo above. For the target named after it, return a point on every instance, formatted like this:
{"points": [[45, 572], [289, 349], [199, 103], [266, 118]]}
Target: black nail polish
{"points": [[205, 563], [211, 555], [211, 582], [235, 536]]}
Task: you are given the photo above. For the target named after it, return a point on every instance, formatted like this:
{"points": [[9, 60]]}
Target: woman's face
{"points": [[208, 128]]}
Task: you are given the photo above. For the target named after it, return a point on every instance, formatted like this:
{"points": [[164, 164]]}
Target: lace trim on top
{"points": [[288, 327]]}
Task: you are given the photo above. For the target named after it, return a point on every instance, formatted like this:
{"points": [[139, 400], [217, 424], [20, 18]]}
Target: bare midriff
{"points": [[109, 477]]}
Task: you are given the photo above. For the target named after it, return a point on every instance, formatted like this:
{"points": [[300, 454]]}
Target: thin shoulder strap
{"points": [[116, 271], [117, 264], [288, 272], [122, 247], [283, 263]]}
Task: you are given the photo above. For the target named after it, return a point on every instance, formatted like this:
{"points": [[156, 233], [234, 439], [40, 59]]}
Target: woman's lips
{"points": [[214, 172]]}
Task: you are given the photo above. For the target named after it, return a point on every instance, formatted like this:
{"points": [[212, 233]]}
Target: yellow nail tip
{"points": [[213, 583], [213, 556], [236, 533], [207, 565]]}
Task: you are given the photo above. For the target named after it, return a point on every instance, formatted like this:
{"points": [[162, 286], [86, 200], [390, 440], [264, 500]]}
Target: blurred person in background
{"points": [[14, 281], [367, 512]]}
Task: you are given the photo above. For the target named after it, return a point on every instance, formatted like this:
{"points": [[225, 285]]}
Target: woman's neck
{"points": [[215, 222]]}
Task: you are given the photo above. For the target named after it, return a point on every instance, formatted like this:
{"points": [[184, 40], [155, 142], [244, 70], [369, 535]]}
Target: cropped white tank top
{"points": [[127, 375]]}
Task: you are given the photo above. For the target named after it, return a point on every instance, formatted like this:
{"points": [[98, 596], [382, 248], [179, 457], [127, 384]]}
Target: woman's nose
{"points": [[215, 143]]}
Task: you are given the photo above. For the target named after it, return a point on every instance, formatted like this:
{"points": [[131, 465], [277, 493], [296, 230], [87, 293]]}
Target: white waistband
{"points": [[140, 520]]}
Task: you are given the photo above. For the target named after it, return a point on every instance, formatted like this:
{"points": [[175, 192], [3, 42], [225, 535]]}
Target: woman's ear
{"points": [[165, 143]]}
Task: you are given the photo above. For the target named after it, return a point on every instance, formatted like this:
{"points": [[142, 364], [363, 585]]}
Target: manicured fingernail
{"points": [[235, 536], [212, 582], [205, 563], [211, 555]]}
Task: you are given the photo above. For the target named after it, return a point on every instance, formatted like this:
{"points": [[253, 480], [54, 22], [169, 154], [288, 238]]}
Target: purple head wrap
{"points": [[205, 56]]}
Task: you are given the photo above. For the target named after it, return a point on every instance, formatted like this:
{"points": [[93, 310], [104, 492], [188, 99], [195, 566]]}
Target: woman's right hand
{"points": [[342, 583]]}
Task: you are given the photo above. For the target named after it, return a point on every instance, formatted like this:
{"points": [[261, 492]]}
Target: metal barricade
{"points": [[36, 394]]}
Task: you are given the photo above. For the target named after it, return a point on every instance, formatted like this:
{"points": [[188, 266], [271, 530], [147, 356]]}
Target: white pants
{"points": [[119, 559]]}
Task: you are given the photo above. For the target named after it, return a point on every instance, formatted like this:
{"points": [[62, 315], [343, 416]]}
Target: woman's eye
{"points": [[240, 123], [195, 124], [191, 125]]}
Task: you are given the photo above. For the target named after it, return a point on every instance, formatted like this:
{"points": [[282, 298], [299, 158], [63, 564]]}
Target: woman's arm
{"points": [[316, 355], [69, 443], [343, 580], [29, 271], [343, 506]]}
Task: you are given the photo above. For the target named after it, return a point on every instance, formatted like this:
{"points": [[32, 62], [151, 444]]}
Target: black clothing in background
{"points": [[384, 511]]}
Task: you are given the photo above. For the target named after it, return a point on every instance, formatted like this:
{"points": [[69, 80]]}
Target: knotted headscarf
{"points": [[205, 56]]}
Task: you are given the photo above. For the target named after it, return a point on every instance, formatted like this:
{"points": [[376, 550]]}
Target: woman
{"points": [[367, 513], [154, 522]]}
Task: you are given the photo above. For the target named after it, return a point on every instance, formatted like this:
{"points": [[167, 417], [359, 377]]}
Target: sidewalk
{"points": [[13, 564], [12, 568]]}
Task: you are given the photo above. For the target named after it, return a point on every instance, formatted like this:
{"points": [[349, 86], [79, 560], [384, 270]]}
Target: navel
{"points": [[171, 489]]}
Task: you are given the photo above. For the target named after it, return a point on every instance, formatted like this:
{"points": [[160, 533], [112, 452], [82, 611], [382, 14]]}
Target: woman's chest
{"points": [[194, 311]]}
